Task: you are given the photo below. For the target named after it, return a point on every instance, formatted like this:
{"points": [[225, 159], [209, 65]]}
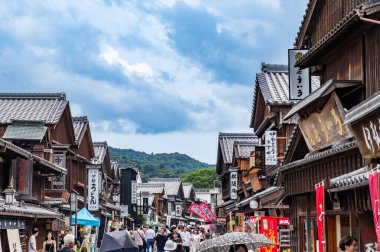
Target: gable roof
{"points": [[172, 185], [100, 150], [187, 188], [151, 188], [32, 107], [243, 149], [225, 147], [79, 123], [273, 82]]}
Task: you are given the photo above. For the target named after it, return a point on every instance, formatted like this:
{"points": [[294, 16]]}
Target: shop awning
{"points": [[319, 93], [14, 148], [85, 218]]}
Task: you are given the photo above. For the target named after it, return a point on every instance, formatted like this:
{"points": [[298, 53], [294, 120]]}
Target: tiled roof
{"points": [[306, 17], [227, 140], [273, 82], [350, 180], [151, 188], [320, 155], [32, 107], [100, 150], [26, 130], [172, 185], [30, 211], [187, 187], [244, 149], [79, 124]]}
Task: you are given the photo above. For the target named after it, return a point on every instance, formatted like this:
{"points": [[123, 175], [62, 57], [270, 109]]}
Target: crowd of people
{"points": [[177, 239]]}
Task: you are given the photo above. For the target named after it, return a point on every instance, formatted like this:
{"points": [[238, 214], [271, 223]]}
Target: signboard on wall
{"points": [[133, 192], [93, 190], [299, 79], [145, 205], [123, 211], [14, 240], [178, 210], [270, 147], [325, 128], [24, 171], [233, 183]]}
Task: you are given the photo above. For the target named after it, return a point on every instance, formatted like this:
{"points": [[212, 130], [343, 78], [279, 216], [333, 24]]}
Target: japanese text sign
{"points": [[324, 128], [178, 209], [268, 227], [299, 79], [373, 182], [93, 190], [270, 147], [133, 192], [23, 176], [233, 183], [194, 208], [207, 211], [320, 202]]}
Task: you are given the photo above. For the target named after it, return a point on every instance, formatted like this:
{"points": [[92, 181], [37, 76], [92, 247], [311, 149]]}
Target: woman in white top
{"points": [[195, 240]]}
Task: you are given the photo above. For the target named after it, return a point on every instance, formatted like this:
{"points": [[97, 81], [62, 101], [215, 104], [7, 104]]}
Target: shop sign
{"points": [[24, 169], [299, 79], [270, 147], [178, 209], [268, 227], [14, 240], [133, 192], [259, 157], [373, 182], [283, 221], [12, 224], [325, 128], [145, 205], [194, 208], [367, 134], [123, 211], [253, 220], [233, 183], [207, 211], [93, 190], [320, 202]]}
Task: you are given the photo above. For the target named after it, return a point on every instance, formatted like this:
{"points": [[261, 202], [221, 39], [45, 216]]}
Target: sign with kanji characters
{"points": [[299, 79], [326, 127], [145, 205], [283, 221], [194, 208], [268, 227], [233, 183], [14, 240], [270, 147], [93, 190], [133, 192], [178, 209], [207, 211], [320, 202], [24, 171]]}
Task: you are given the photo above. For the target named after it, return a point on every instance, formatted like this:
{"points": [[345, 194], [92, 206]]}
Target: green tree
{"points": [[203, 178]]}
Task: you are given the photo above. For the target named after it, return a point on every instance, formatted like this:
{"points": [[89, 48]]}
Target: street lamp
{"points": [[9, 195]]}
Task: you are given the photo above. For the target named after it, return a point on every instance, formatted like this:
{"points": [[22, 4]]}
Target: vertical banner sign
{"points": [[178, 209], [207, 211], [233, 183], [145, 205], [373, 181], [133, 192], [123, 211], [93, 190], [320, 202], [14, 240], [268, 227], [23, 176], [194, 208], [299, 79], [270, 147]]}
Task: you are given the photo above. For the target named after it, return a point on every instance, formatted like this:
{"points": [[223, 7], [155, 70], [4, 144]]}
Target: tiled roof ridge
{"points": [[223, 134], [165, 179], [16, 122], [265, 68], [307, 12], [245, 143], [47, 96], [100, 143], [151, 184], [80, 118]]}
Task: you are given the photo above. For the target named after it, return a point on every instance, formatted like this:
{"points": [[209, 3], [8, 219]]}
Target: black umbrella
{"points": [[118, 241]]}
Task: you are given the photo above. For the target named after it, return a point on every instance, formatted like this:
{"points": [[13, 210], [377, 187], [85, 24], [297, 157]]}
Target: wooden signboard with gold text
{"points": [[325, 128]]}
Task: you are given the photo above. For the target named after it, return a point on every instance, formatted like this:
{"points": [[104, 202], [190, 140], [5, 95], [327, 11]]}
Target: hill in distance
{"points": [[164, 165]]}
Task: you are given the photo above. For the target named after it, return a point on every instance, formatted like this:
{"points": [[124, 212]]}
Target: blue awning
{"points": [[85, 218]]}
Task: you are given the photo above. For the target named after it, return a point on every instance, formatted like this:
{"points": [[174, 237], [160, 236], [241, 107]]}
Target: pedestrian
{"points": [[195, 240], [49, 244], [85, 246], [238, 248], [160, 241], [348, 244], [149, 237], [68, 243], [173, 229], [139, 238], [170, 246], [207, 236], [93, 239], [167, 231], [185, 236], [32, 245], [177, 239]]}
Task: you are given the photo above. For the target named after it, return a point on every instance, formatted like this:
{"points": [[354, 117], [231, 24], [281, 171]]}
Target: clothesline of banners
{"points": [[203, 211]]}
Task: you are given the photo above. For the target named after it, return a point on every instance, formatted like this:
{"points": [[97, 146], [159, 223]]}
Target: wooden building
{"points": [[342, 38], [154, 207]]}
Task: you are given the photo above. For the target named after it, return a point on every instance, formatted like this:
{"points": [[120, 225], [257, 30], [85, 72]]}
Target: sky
{"points": [[154, 76]]}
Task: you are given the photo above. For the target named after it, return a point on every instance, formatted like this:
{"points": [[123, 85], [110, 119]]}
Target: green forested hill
{"points": [[172, 165]]}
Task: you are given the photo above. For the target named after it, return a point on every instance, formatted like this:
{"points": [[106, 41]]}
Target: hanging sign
{"points": [[268, 227], [299, 79], [283, 221], [320, 202], [93, 190], [373, 182], [233, 183], [325, 128], [133, 192], [24, 170], [123, 211], [178, 209], [145, 205], [14, 240], [270, 147]]}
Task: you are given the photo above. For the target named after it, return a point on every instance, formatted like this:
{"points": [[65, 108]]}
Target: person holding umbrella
{"points": [[238, 248]]}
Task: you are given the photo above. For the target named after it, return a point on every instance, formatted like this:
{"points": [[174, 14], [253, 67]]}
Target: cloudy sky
{"points": [[155, 76]]}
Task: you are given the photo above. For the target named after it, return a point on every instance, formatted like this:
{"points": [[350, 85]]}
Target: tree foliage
{"points": [[203, 178]]}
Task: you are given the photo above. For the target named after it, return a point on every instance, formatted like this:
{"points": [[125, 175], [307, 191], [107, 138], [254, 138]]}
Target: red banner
{"points": [[320, 202], [283, 221], [207, 211], [268, 227], [373, 181], [194, 208]]}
